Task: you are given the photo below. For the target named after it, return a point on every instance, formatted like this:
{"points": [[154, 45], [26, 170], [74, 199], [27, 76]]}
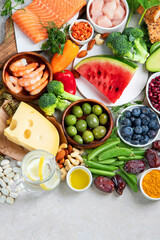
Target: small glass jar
{"points": [[48, 173]]}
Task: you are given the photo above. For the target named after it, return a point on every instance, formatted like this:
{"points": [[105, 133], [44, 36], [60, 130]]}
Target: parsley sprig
{"points": [[57, 37], [7, 7]]}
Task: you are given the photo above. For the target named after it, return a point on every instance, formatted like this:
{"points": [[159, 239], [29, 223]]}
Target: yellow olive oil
{"points": [[79, 179]]}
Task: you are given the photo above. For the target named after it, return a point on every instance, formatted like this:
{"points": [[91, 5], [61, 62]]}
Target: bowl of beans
{"points": [[81, 31], [153, 92]]}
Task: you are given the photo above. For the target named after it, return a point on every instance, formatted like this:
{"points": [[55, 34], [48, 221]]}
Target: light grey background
{"points": [[91, 215]]}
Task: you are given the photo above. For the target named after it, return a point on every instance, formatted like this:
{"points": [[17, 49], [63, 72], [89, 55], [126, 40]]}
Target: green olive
{"points": [[70, 120], [77, 111], [88, 136], [99, 132], [92, 121], [78, 139], [86, 107], [71, 131], [81, 125], [103, 118], [97, 110]]}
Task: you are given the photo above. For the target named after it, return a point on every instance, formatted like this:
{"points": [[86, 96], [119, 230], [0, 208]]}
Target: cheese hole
{"points": [[30, 123], [27, 133], [13, 124]]}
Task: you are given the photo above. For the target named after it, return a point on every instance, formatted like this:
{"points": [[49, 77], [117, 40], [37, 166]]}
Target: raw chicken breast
{"points": [[116, 22], [96, 9], [109, 9], [104, 21], [119, 13]]}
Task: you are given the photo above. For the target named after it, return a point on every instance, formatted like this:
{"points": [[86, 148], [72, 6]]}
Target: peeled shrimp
{"points": [[12, 83], [39, 89], [25, 82], [35, 73], [18, 63], [21, 71], [37, 84]]}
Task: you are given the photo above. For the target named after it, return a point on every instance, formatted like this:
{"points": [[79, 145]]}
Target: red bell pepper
{"points": [[68, 80]]}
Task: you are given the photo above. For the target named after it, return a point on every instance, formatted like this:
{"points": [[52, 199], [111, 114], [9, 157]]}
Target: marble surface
{"points": [[91, 215]]}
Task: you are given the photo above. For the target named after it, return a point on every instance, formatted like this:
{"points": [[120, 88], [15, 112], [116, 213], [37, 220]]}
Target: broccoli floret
{"points": [[57, 88], [110, 38], [129, 44], [122, 47], [48, 102]]}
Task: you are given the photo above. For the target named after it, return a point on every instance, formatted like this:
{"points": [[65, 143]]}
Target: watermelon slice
{"points": [[109, 74]]}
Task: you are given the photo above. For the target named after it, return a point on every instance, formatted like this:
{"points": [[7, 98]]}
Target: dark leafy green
{"points": [[146, 4], [133, 5], [57, 37], [7, 7]]}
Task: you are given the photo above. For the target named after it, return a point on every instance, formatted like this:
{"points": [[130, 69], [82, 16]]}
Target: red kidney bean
{"points": [[154, 92]]}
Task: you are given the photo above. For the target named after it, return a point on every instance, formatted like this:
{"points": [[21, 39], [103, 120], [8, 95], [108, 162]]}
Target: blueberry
{"points": [[127, 114], [145, 120], [145, 110], [138, 129], [132, 119], [126, 122], [136, 112], [152, 115], [128, 139], [151, 134], [137, 122], [153, 124], [126, 131], [144, 139], [142, 115], [121, 119], [136, 137], [135, 142], [145, 129]]}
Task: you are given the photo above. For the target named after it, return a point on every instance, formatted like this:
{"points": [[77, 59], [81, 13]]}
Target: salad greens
{"points": [[7, 7], [133, 5]]}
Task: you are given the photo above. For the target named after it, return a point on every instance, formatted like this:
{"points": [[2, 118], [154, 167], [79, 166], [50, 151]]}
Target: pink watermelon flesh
{"points": [[109, 78]]}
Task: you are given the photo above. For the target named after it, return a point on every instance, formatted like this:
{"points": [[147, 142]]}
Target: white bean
{"points": [[18, 189], [10, 181], [7, 171], [0, 193], [19, 163], [1, 169], [17, 170], [10, 175], [16, 176], [4, 162], [6, 166], [10, 200], [2, 199], [2, 183], [5, 191], [6, 179], [1, 174], [9, 188], [13, 194]]}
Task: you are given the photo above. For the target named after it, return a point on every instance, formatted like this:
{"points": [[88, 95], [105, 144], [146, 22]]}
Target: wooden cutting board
{"points": [[8, 47]]}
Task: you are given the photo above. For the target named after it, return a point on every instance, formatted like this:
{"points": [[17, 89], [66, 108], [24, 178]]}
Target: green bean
{"points": [[108, 144], [118, 163], [116, 153], [102, 172], [108, 161], [139, 152], [131, 158], [88, 151], [100, 166], [128, 180]]}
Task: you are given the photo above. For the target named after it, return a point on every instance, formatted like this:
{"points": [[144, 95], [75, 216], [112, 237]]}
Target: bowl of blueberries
{"points": [[138, 125]]}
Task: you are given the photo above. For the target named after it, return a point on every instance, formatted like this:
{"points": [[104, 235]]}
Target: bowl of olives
{"points": [[87, 123]]}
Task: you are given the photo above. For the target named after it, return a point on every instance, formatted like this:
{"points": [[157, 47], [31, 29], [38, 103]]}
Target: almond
{"points": [[91, 44], [61, 161], [60, 155], [70, 149], [66, 153], [75, 73], [82, 54], [104, 35]]}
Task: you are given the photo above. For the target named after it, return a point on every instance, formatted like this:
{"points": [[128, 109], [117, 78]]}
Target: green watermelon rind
{"points": [[130, 66]]}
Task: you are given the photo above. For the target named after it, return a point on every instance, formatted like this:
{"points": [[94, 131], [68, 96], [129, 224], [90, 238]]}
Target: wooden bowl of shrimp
{"points": [[26, 75]]}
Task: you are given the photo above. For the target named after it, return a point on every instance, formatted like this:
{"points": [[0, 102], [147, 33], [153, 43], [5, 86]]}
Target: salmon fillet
{"points": [[152, 14], [32, 18]]}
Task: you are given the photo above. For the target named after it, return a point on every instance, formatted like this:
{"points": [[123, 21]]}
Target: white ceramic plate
{"points": [[133, 89]]}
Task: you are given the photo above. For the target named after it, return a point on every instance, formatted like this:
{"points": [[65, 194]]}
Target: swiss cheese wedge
{"points": [[32, 130]]}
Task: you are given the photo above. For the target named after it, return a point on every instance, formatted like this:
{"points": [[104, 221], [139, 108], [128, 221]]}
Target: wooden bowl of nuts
{"points": [[87, 123]]}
